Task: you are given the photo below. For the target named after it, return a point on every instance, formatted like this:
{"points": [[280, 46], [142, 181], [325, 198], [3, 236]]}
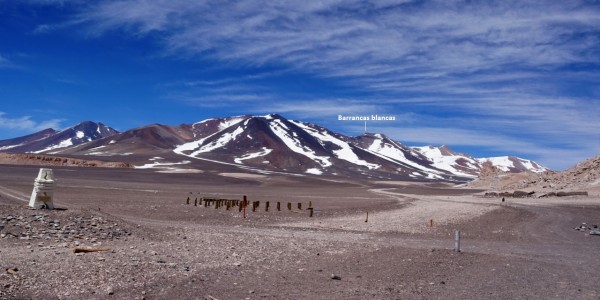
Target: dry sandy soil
{"points": [[158, 247]]}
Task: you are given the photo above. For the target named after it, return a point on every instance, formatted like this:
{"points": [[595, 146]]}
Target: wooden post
{"points": [[244, 204], [254, 206], [267, 206], [278, 206], [457, 241], [289, 205], [430, 222], [299, 206], [196, 202], [187, 201], [367, 219], [309, 204], [310, 212]]}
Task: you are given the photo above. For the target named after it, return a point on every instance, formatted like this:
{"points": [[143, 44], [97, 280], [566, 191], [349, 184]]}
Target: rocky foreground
{"points": [[130, 234], [579, 179]]}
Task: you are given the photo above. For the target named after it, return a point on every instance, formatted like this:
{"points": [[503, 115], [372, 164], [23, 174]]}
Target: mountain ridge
{"points": [[270, 143]]}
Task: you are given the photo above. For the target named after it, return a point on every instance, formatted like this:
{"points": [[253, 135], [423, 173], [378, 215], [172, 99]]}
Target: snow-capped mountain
{"points": [[50, 141], [274, 143], [466, 165], [513, 164], [152, 139], [401, 155], [446, 159], [267, 143], [20, 143]]}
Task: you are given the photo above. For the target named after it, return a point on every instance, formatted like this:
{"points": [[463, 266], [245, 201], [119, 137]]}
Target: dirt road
{"points": [[162, 248]]}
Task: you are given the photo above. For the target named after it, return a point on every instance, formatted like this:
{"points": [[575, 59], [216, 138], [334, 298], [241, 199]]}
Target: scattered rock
{"points": [[72, 228], [12, 271], [335, 277]]}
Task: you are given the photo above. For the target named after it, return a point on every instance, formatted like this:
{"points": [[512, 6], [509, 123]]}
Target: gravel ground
{"points": [[415, 215], [157, 247]]}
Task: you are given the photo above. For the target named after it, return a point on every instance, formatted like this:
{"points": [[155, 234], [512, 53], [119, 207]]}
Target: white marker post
{"points": [[43, 190], [457, 241]]}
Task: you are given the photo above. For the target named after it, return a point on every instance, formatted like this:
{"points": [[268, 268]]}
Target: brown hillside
{"points": [[585, 176], [46, 160]]}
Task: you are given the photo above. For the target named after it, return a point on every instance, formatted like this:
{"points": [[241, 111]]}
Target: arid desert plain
{"points": [[156, 246]]}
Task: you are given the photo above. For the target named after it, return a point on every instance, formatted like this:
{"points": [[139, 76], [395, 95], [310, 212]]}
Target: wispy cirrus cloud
{"points": [[509, 67], [402, 46], [4, 62], [440, 35], [321, 108], [27, 124]]}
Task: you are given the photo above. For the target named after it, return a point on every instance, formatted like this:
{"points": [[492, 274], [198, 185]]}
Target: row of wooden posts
{"points": [[243, 204]]}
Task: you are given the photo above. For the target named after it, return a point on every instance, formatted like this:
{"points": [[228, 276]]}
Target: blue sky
{"points": [[484, 77]]}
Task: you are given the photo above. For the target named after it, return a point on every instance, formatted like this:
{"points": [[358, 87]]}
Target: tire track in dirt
{"points": [[14, 194]]}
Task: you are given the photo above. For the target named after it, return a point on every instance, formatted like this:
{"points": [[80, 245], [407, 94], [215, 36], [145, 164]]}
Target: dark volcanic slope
{"points": [[51, 142], [153, 139], [19, 144]]}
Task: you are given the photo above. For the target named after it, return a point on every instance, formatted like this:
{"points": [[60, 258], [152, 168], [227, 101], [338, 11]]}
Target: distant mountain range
{"points": [[50, 140], [265, 143]]}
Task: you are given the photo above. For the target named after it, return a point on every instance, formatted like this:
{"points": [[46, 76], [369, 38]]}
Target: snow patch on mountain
{"points": [[394, 154], [345, 152], [314, 171], [220, 142], [161, 165], [281, 130], [230, 122], [501, 162], [446, 162], [263, 152], [10, 146], [62, 144], [506, 163]]}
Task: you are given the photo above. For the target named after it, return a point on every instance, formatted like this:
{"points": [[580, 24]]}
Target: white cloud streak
{"points": [[4, 62], [26, 124], [322, 108], [504, 63]]}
